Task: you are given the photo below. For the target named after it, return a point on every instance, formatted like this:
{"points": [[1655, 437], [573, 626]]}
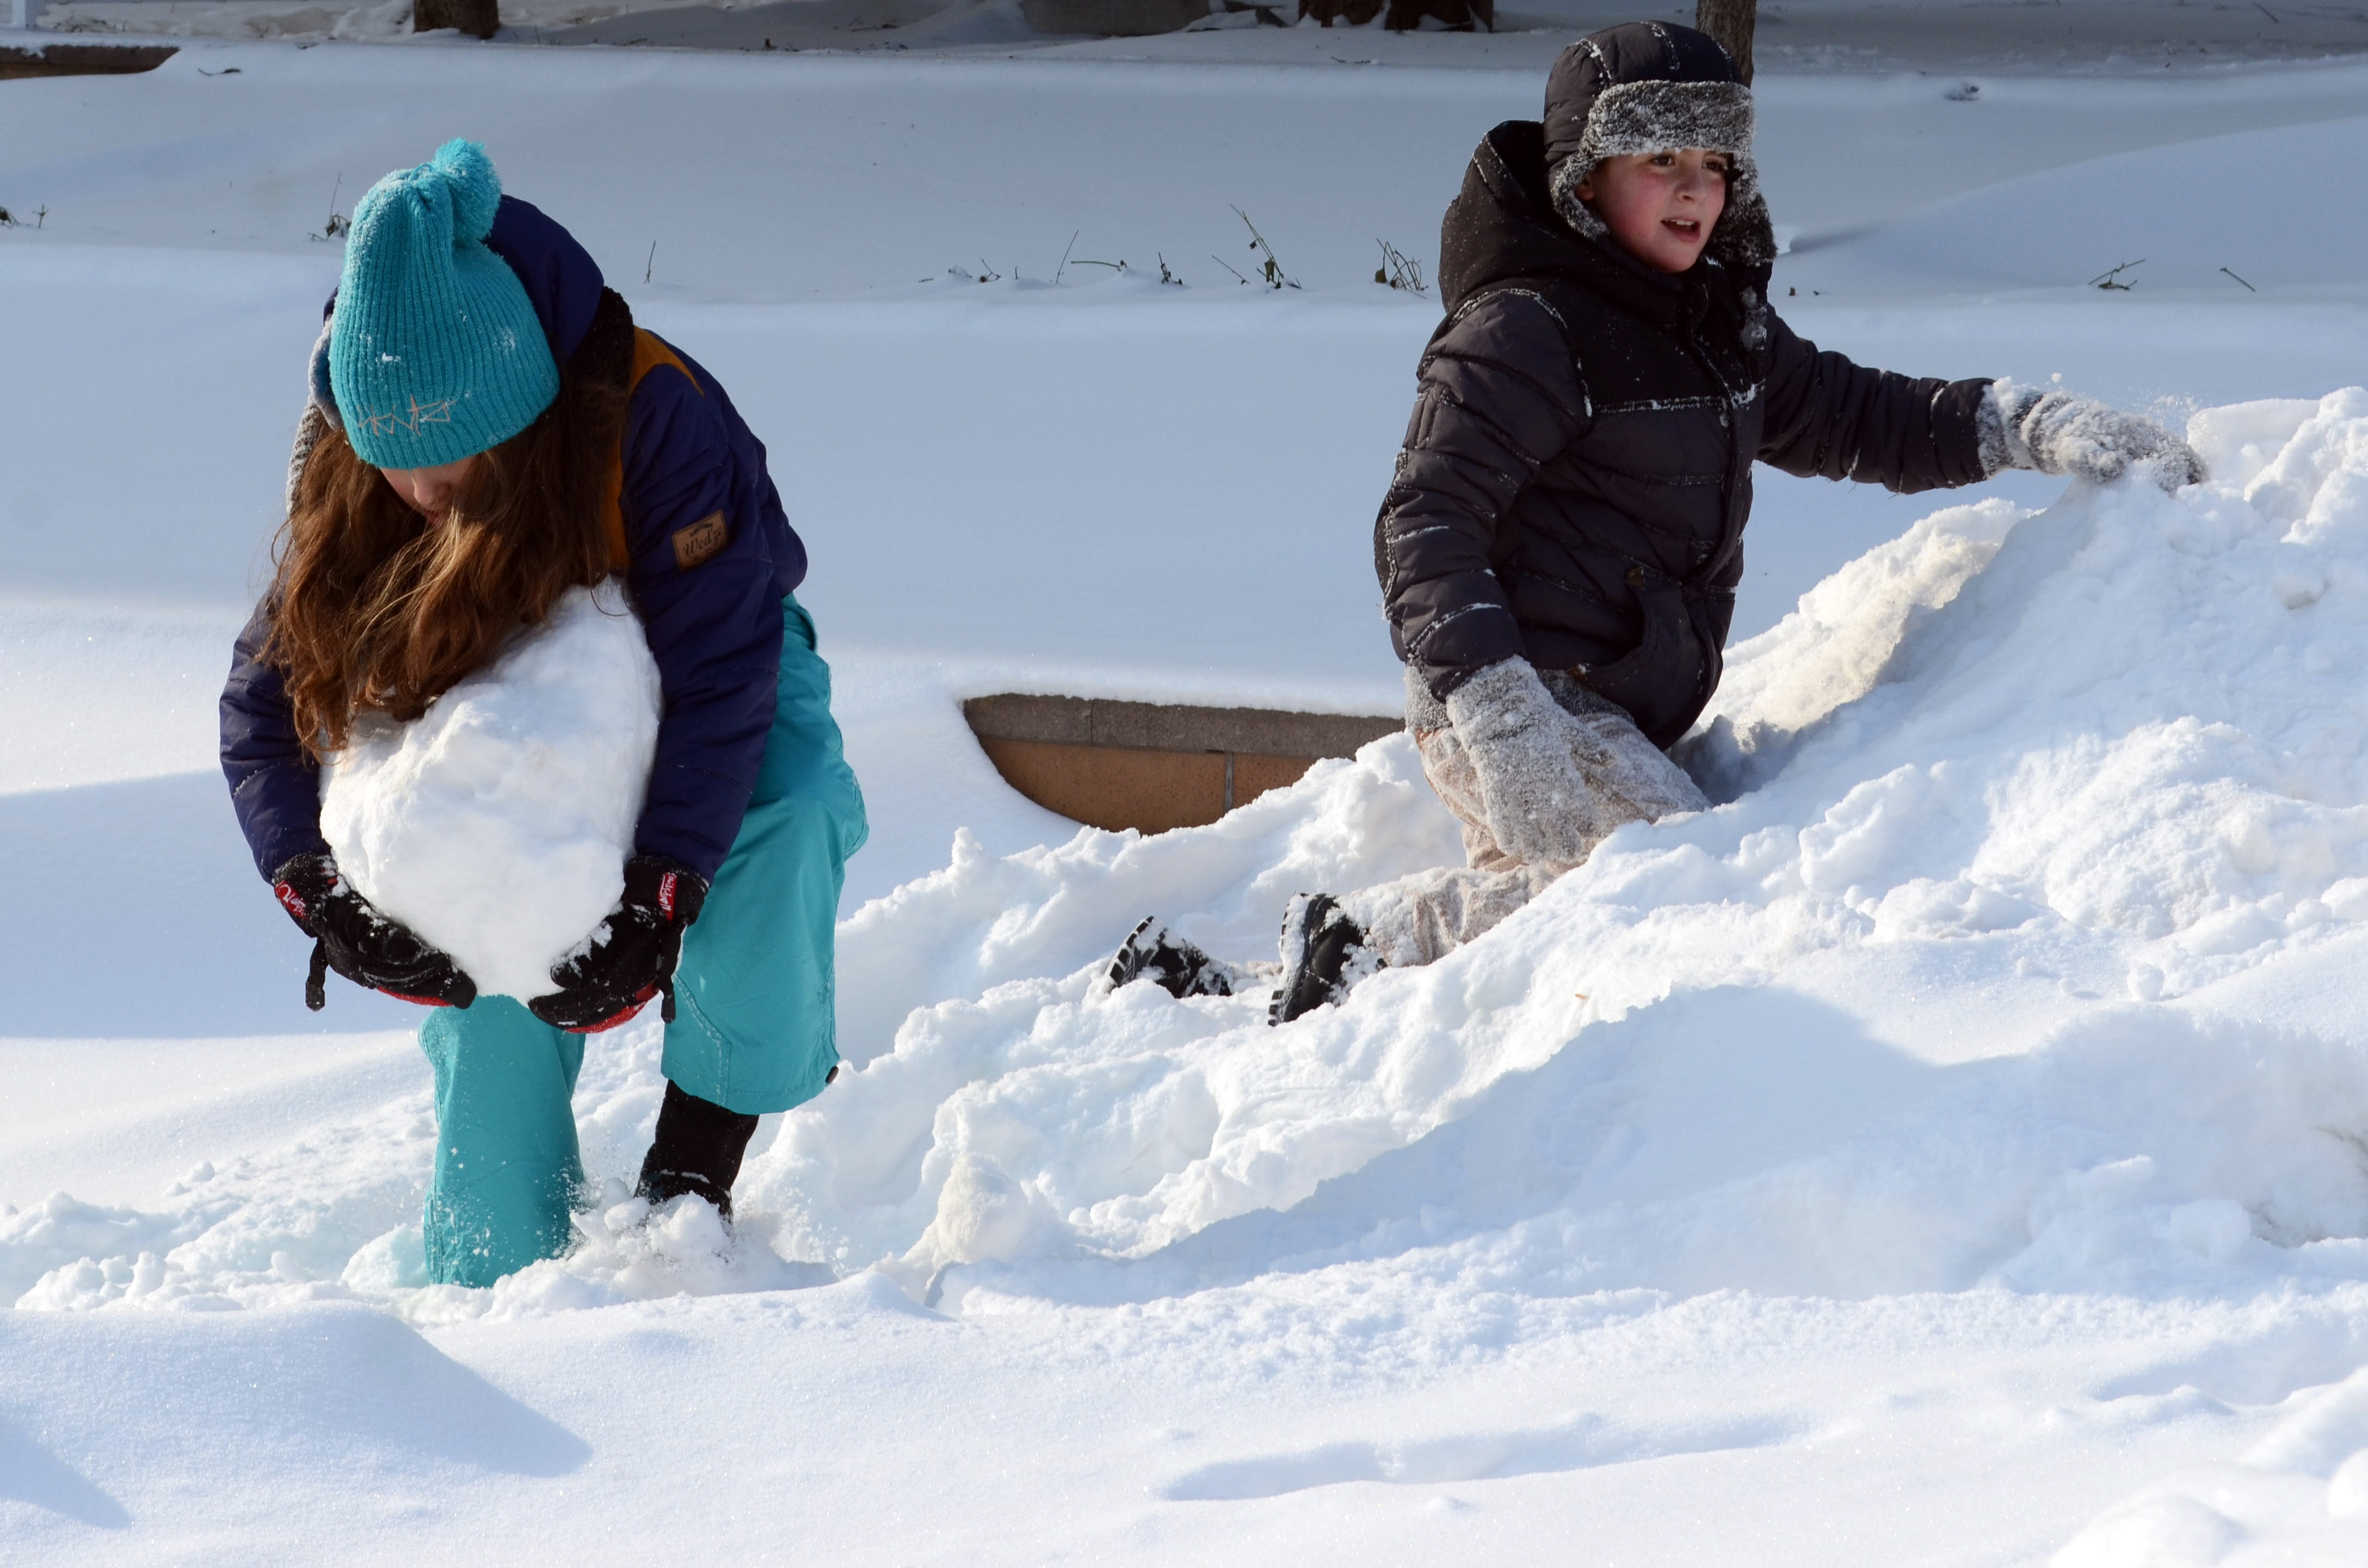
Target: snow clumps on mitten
{"points": [[2053, 432]]}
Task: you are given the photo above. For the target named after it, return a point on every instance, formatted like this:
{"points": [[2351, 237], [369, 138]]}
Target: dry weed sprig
{"points": [[1399, 270], [1269, 269]]}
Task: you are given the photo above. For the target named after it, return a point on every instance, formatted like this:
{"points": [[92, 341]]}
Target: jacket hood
{"points": [[1502, 223], [562, 279]]}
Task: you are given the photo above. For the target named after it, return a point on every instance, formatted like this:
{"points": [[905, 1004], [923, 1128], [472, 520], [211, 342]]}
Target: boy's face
{"points": [[1660, 206]]}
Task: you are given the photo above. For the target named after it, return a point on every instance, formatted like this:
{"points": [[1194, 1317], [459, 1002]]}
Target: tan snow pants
{"points": [[1423, 917]]}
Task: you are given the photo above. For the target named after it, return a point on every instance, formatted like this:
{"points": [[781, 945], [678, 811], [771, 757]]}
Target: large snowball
{"points": [[496, 825]]}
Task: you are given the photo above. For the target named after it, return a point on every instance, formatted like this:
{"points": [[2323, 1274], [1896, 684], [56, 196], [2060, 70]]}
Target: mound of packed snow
{"points": [[496, 825], [2023, 767]]}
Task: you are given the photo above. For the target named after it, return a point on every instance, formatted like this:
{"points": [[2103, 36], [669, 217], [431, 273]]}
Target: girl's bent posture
{"points": [[1560, 547], [487, 432]]}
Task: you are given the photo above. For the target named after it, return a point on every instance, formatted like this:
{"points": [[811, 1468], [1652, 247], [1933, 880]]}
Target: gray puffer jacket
{"points": [[1577, 472]]}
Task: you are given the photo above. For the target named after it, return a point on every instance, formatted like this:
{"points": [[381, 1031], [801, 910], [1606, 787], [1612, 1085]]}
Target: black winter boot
{"points": [[696, 1149], [1167, 961], [1323, 951]]}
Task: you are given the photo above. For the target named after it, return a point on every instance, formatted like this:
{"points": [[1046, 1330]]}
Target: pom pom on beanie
{"points": [[435, 352], [476, 189]]}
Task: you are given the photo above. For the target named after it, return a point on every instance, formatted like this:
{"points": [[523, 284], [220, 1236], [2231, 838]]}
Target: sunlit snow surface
{"points": [[1955, 777], [1944, 1152]]}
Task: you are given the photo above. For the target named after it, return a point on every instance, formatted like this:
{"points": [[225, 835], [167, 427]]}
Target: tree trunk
{"points": [[1731, 22], [478, 18]]}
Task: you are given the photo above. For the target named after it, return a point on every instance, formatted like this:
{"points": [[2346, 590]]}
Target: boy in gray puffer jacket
{"points": [[1560, 547]]}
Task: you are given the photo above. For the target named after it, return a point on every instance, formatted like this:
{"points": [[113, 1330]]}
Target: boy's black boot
{"points": [[698, 1150], [1320, 946], [1154, 953]]}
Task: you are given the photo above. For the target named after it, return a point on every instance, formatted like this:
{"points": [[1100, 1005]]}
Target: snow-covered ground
{"points": [[1953, 1149]]}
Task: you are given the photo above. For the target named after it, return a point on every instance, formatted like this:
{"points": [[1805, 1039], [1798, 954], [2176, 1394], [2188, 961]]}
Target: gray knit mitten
{"points": [[2053, 432], [1525, 749]]}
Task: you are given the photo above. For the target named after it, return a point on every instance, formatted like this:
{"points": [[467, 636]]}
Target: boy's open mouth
{"points": [[1683, 225]]}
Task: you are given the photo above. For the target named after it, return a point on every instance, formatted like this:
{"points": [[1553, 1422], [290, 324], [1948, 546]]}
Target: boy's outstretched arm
{"points": [[1834, 419], [1499, 395], [1838, 420]]}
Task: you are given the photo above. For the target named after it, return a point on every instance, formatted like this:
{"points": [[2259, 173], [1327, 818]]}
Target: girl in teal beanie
{"points": [[487, 432]]}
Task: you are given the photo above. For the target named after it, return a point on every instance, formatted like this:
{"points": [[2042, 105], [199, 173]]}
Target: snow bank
{"points": [[1928, 1003], [2113, 750], [497, 823]]}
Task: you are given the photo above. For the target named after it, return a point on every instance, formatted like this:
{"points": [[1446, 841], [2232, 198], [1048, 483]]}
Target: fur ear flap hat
{"points": [[1655, 88]]}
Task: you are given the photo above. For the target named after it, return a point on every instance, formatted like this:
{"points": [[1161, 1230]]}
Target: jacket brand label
{"points": [[702, 541]]}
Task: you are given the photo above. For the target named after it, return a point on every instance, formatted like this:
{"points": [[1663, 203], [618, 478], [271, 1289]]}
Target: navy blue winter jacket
{"points": [[714, 627]]}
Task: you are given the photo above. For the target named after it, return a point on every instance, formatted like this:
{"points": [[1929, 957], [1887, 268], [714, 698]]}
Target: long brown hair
{"points": [[378, 608]]}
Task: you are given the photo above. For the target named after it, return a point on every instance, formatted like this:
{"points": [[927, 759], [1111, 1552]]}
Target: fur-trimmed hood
{"points": [[1654, 87], [1502, 225]]}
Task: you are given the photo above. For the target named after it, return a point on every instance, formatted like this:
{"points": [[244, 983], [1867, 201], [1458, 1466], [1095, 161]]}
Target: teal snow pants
{"points": [[753, 1030]]}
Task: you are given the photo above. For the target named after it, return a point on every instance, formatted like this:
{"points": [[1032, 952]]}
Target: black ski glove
{"points": [[631, 956], [350, 935]]}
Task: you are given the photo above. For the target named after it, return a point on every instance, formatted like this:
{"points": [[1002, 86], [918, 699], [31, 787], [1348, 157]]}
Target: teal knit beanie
{"points": [[435, 353]]}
